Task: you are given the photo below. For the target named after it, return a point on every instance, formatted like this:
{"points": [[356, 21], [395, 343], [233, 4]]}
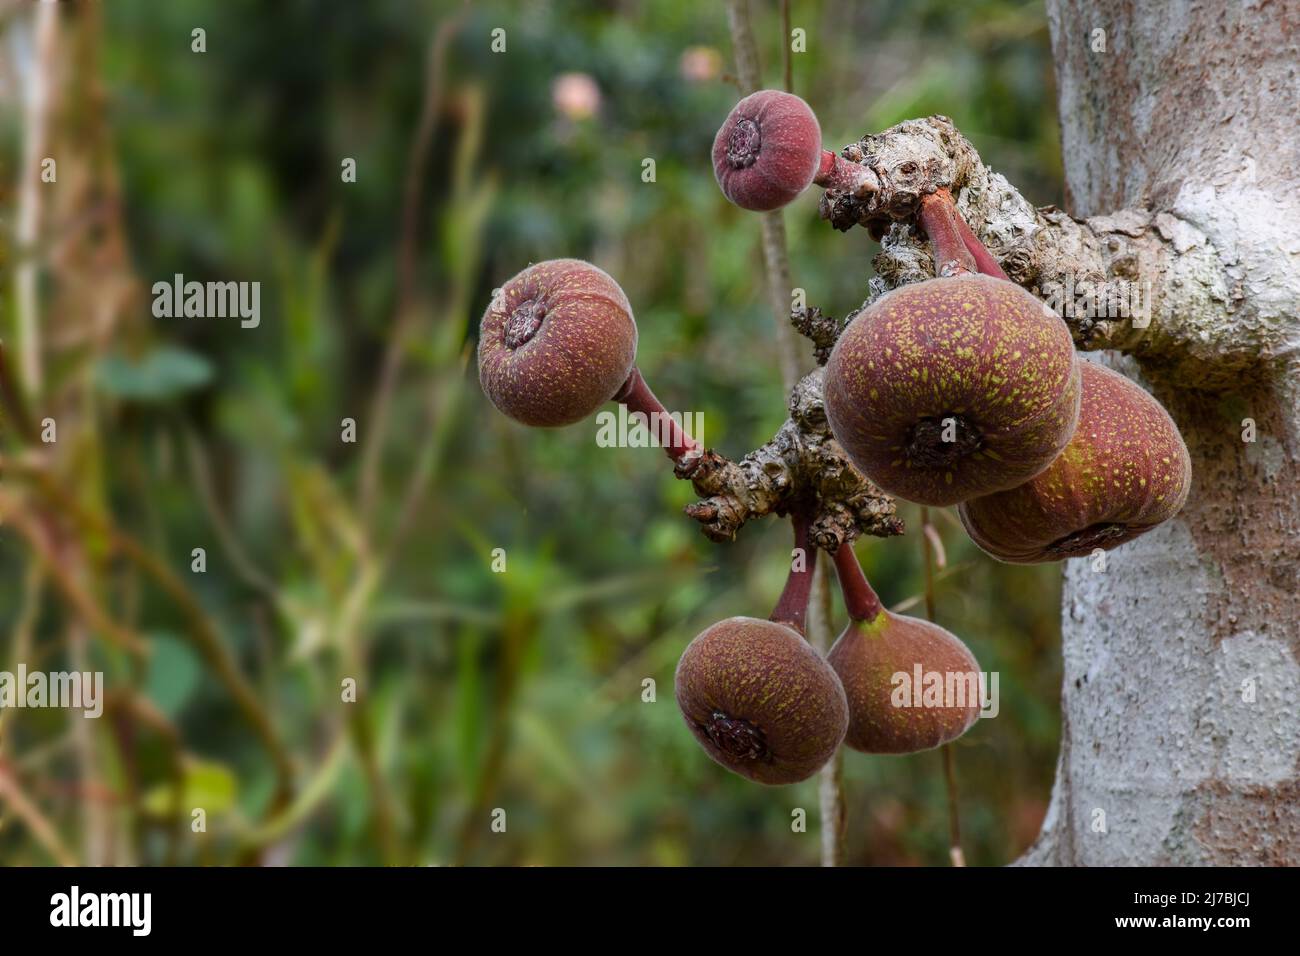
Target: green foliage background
{"points": [[477, 690]]}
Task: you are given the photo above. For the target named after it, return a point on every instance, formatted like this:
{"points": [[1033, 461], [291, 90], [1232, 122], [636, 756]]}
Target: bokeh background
{"points": [[372, 560]]}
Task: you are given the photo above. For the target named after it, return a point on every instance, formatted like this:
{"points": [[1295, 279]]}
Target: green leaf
{"points": [[161, 374], [539, 736], [174, 673], [470, 703], [206, 784]]}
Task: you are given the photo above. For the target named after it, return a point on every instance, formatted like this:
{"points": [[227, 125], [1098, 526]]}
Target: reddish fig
{"points": [[761, 701], [910, 684], [954, 387], [769, 150], [1125, 471], [556, 343]]}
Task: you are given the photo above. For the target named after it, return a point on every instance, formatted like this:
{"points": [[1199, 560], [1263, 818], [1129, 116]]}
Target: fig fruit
{"points": [[556, 343], [761, 701], [910, 684], [1125, 471], [952, 388], [769, 150]]}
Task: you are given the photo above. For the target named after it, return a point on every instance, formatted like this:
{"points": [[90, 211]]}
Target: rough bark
{"points": [[1180, 731], [801, 465]]}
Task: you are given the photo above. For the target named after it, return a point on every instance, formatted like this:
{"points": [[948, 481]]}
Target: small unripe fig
{"points": [[890, 712], [768, 150], [1125, 471], [760, 700], [556, 343], [954, 387]]}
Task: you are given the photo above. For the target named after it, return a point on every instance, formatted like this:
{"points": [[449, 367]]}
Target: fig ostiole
{"points": [[1125, 471], [758, 697], [951, 388], [910, 684]]}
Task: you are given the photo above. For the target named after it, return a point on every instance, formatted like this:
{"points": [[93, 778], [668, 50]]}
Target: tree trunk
{"points": [[1180, 733]]}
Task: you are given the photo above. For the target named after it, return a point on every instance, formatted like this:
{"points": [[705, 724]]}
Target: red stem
{"points": [[636, 395], [792, 607], [860, 599], [984, 260], [940, 220], [836, 172]]}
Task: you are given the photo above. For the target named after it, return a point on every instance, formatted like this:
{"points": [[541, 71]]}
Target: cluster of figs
{"points": [[960, 390]]}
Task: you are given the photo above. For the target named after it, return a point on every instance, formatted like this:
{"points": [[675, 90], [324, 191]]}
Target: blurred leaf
{"points": [[539, 736], [205, 785], [618, 586], [162, 374], [174, 673], [469, 702]]}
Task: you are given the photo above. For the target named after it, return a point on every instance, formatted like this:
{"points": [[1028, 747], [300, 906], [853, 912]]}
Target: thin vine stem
{"points": [[949, 760], [787, 54]]}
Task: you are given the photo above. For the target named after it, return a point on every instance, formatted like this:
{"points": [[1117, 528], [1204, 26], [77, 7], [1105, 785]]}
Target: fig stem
{"points": [[939, 218], [836, 172], [636, 395], [860, 599], [792, 607], [984, 260]]}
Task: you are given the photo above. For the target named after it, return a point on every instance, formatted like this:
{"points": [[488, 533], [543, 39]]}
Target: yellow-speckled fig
{"points": [[556, 343], [952, 388], [910, 684], [1125, 471], [760, 700]]}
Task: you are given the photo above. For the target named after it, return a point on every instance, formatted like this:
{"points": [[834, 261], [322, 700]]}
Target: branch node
{"points": [[801, 467]]}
